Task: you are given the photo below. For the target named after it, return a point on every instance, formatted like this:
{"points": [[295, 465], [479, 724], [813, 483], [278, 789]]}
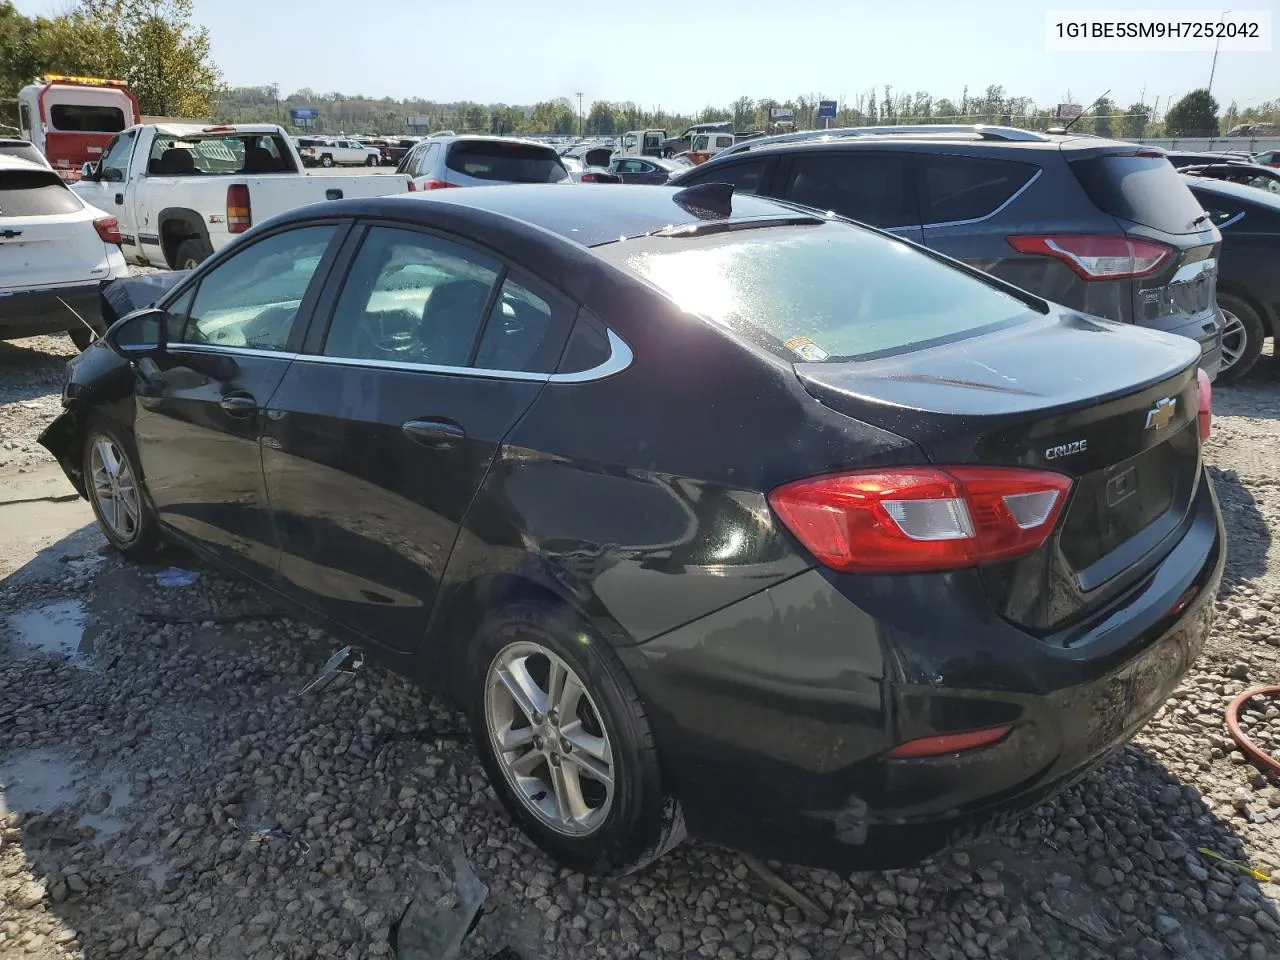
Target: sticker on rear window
{"points": [[806, 349]]}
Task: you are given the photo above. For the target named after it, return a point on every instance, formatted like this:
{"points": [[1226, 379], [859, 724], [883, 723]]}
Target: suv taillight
{"points": [[1204, 392], [109, 230], [433, 184], [239, 211], [1097, 257], [916, 519]]}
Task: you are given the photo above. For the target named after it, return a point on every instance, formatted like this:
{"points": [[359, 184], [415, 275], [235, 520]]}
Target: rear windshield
{"points": [[501, 160], [1146, 190], [34, 193], [194, 156], [86, 119], [820, 293]]}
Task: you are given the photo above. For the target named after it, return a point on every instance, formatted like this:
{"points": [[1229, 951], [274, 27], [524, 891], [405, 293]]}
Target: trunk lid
{"points": [[46, 235], [1111, 406]]}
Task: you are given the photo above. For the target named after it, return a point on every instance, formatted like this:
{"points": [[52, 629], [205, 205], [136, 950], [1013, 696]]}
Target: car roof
{"points": [[9, 162], [977, 136], [584, 214], [482, 138], [1237, 191]]}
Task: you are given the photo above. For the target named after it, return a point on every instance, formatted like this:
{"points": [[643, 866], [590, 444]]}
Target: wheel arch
{"points": [[178, 224]]}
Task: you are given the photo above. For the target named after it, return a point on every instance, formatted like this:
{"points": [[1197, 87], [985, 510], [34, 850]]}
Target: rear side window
{"points": [[524, 332], [22, 150], [1144, 189], [792, 291], [35, 193], [871, 188], [86, 119], [967, 188], [506, 161], [744, 176]]}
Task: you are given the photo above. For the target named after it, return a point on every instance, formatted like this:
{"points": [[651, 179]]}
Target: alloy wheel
{"points": [[1234, 340], [114, 490], [549, 739]]}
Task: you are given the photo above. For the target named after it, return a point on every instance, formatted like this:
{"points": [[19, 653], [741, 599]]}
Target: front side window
{"points": [[870, 188], [252, 299], [114, 165], [411, 298], [791, 290]]}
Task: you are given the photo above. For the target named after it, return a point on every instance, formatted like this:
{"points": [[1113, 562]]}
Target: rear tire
{"points": [[1242, 336], [326, 161], [613, 827], [191, 253], [113, 486]]}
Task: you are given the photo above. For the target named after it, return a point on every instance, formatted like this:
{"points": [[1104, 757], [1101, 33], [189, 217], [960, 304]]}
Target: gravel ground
{"points": [[171, 795]]}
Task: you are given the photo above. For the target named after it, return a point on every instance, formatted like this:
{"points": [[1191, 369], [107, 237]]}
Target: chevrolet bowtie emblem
{"points": [[1161, 413]]}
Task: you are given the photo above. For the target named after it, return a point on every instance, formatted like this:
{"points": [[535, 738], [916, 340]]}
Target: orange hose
{"points": [[1250, 749]]}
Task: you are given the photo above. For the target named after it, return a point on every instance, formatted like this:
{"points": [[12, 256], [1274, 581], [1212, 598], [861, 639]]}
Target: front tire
{"points": [[565, 742], [1242, 336], [113, 485], [371, 161]]}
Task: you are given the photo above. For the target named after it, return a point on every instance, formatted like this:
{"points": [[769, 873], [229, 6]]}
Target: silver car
{"points": [[474, 161]]}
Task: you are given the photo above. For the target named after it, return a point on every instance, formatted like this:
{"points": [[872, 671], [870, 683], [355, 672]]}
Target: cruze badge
{"points": [[1161, 413], [1066, 449]]}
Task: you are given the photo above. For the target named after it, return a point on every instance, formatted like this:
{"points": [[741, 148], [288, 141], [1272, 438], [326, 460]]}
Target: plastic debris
{"points": [[176, 577], [435, 923], [335, 667], [271, 833], [1238, 864]]}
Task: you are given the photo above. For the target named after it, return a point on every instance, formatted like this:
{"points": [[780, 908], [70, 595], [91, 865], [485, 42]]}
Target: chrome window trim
{"points": [[1000, 209], [1226, 223], [620, 357], [238, 351]]}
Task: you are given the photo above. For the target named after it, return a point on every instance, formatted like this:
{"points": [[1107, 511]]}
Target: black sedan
{"points": [[648, 170], [714, 514], [1248, 278]]}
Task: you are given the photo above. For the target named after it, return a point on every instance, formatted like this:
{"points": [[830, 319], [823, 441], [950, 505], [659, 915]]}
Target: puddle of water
{"points": [[110, 821], [56, 628], [157, 870], [39, 780]]}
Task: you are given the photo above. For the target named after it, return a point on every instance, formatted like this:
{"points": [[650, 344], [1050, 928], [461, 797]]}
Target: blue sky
{"points": [[684, 54]]}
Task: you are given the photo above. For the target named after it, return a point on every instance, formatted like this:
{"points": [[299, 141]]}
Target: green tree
{"points": [[1134, 124], [1195, 115], [1102, 111], [601, 121]]}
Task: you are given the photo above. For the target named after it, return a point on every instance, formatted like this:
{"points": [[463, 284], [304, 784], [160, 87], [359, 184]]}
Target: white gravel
{"points": [[136, 771]]}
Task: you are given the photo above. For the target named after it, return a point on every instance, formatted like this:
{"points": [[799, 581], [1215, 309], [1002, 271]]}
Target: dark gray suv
{"points": [[1104, 227]]}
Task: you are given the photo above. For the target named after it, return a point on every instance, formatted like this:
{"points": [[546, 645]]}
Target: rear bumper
{"points": [[1206, 330], [29, 313], [774, 716]]}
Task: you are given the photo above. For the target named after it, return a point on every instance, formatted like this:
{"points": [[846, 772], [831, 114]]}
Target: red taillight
{"points": [[1205, 395], [109, 230], [948, 743], [1096, 257], [239, 211], [914, 519], [434, 184]]}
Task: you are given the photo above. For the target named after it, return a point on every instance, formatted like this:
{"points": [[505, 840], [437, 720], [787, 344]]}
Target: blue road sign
{"points": [[826, 109], [304, 113]]}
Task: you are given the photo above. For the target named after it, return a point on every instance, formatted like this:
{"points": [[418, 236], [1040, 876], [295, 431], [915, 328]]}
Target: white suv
{"points": [[479, 162], [340, 153], [55, 252]]}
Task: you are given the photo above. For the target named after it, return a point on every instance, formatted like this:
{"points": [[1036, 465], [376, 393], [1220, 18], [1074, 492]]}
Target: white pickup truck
{"points": [[339, 153], [181, 192]]}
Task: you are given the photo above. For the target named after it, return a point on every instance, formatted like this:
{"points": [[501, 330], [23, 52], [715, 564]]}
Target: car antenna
{"points": [[712, 197], [1083, 112]]}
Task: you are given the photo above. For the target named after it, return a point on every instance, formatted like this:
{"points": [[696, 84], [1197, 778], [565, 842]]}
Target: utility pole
{"points": [[275, 90], [1214, 66], [581, 119]]}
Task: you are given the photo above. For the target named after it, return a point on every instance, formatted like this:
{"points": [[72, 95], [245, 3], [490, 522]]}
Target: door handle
{"points": [[120, 199], [441, 434], [239, 405]]}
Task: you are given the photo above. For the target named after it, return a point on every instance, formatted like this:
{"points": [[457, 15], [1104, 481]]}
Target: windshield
{"points": [[820, 293], [220, 154]]}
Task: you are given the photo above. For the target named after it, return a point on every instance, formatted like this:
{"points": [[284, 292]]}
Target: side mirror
{"points": [[89, 171], [142, 333], [113, 175]]}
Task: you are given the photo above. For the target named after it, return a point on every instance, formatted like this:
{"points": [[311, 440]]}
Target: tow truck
{"points": [[70, 119]]}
